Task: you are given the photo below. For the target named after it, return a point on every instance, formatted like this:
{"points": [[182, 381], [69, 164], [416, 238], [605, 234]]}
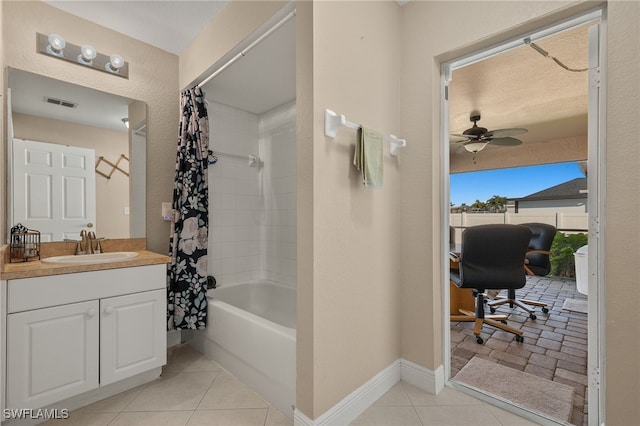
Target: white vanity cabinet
{"points": [[69, 334], [132, 334], [52, 354]]}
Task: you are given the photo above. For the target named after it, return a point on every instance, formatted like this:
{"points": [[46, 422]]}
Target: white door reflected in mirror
{"points": [[54, 188]]}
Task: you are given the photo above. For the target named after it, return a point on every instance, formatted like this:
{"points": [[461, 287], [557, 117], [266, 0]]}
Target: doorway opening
{"points": [[535, 100]]}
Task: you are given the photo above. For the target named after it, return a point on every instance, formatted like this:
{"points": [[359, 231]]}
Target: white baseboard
{"points": [[354, 404], [421, 377]]}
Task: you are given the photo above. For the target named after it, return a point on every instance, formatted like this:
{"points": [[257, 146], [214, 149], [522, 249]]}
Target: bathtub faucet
{"points": [[211, 282]]}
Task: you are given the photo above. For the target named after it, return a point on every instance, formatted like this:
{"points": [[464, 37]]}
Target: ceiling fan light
{"points": [[475, 147]]}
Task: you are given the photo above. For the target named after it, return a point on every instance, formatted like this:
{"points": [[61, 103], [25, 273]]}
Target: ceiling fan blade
{"points": [[503, 133], [460, 135], [508, 141]]}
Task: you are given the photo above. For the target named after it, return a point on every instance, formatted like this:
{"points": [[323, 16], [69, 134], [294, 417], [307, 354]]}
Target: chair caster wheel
{"points": [[533, 316], [545, 310], [479, 340], [519, 339], [492, 310]]}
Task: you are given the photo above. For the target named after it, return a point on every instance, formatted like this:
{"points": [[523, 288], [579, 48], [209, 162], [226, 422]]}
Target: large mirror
{"points": [[76, 159]]}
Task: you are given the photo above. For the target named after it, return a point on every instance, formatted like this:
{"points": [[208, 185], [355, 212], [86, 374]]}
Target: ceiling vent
{"points": [[60, 102]]}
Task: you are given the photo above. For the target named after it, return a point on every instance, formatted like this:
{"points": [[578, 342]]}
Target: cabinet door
{"points": [[52, 354], [133, 336]]}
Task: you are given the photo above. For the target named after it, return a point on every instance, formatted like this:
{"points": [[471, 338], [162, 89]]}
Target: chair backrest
{"points": [[493, 256], [542, 236], [452, 238]]}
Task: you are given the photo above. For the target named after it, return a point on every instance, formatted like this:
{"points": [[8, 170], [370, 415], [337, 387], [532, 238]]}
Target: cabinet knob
{"points": [[91, 313], [108, 310]]}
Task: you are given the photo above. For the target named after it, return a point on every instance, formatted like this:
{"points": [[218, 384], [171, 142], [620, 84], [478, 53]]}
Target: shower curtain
{"points": [[187, 273]]}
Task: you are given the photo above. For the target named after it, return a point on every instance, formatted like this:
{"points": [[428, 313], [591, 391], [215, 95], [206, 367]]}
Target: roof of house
{"points": [[576, 188]]}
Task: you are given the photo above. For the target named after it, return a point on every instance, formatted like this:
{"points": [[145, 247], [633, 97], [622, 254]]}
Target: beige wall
{"points": [[431, 33], [622, 229], [112, 195], [305, 126], [356, 231], [153, 78]]}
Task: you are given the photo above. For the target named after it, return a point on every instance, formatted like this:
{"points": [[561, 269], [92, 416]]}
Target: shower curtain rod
{"points": [[244, 51]]}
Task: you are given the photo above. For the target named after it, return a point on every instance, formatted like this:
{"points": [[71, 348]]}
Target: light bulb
{"points": [[88, 53], [56, 44], [126, 122], [115, 63]]}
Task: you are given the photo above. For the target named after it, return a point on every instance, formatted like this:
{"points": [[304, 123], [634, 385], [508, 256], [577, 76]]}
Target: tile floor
{"points": [[554, 347], [196, 391], [406, 405], [191, 391]]}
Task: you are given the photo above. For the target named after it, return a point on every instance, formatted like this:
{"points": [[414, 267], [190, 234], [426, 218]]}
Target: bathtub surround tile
{"points": [[173, 391], [228, 392], [229, 417]]}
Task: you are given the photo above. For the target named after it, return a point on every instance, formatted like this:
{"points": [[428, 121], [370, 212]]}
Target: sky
{"points": [[511, 183]]}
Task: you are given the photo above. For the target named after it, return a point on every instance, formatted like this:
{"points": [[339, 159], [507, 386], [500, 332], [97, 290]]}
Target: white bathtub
{"points": [[251, 333]]}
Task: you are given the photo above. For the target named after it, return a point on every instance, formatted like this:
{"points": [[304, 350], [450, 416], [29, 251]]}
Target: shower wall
{"points": [[252, 210], [234, 196], [278, 153]]}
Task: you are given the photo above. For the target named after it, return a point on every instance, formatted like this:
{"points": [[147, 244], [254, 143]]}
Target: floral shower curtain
{"points": [[187, 273]]}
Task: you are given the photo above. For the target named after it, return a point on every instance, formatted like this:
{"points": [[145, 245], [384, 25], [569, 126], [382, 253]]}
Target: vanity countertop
{"points": [[12, 271]]}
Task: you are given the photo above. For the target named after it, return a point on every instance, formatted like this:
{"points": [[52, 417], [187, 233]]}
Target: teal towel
{"points": [[368, 157]]}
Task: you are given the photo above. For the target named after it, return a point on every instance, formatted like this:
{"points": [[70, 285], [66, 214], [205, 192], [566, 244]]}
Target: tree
{"points": [[478, 205], [496, 203]]}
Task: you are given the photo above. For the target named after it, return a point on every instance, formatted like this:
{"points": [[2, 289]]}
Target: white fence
{"points": [[567, 223]]}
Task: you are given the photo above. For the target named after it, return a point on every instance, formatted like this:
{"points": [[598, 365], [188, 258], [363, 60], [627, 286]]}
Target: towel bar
{"points": [[333, 121]]}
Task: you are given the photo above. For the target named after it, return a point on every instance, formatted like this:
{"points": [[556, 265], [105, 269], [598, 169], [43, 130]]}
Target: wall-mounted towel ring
{"points": [[333, 121]]}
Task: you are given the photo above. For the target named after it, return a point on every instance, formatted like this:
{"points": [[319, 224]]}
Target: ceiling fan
{"points": [[477, 138]]}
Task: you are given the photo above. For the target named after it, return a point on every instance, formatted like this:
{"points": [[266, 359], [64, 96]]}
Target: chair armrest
{"points": [[547, 252]]}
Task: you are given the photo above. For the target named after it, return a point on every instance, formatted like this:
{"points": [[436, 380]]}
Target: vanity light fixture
{"points": [[85, 55], [115, 63], [126, 122], [55, 45]]}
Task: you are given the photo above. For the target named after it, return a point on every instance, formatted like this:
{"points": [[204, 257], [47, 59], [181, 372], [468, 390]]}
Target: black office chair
{"points": [[536, 263], [492, 257]]}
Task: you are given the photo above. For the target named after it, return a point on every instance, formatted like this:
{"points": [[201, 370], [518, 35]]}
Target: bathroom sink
{"points": [[87, 259]]}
